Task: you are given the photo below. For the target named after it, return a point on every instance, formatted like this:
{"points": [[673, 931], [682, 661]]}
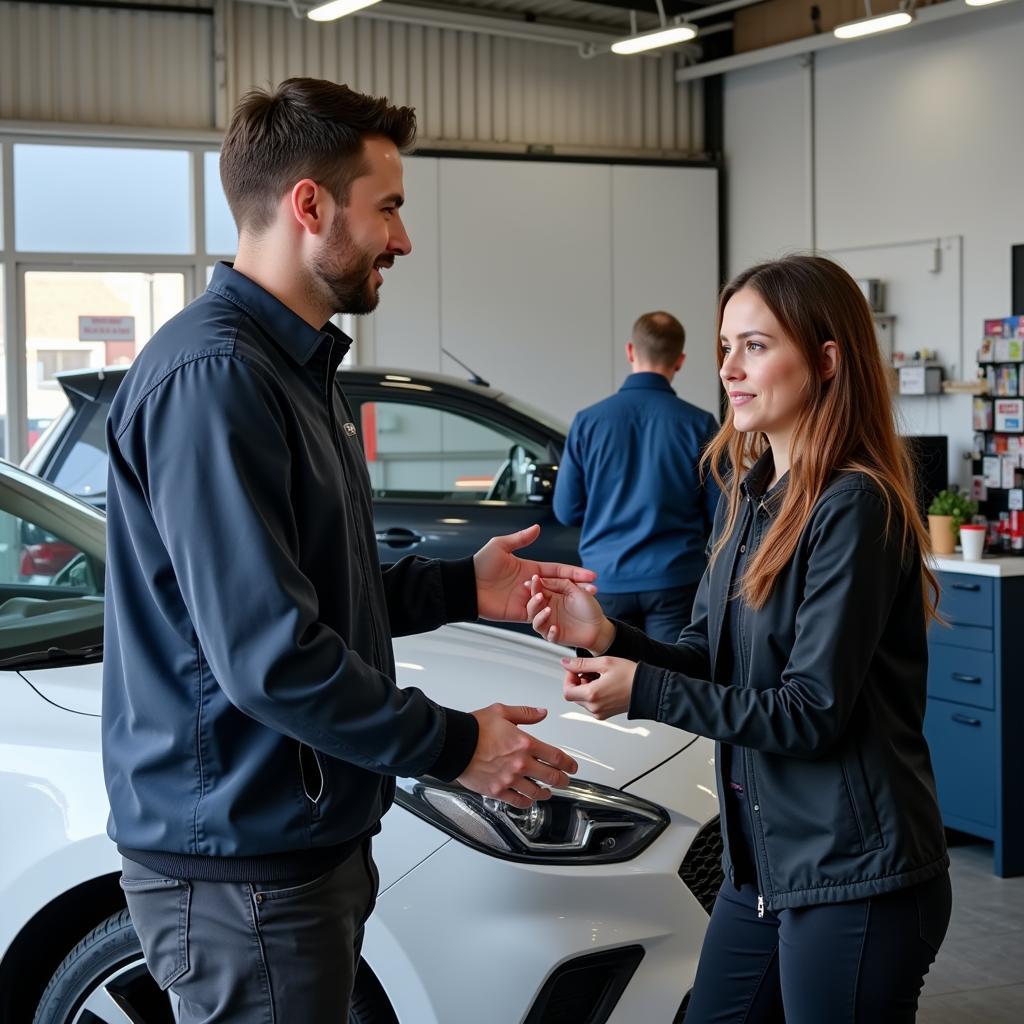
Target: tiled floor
{"points": [[978, 977]]}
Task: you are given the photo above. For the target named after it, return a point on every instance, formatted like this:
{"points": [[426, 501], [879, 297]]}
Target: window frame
{"points": [[14, 263]]}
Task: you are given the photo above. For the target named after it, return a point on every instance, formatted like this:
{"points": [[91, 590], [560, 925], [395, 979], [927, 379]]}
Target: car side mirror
{"points": [[540, 483]]}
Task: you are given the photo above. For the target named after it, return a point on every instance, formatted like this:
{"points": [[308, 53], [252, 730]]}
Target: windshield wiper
{"points": [[88, 653]]}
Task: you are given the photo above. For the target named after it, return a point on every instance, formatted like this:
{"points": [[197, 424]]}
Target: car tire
{"points": [[104, 978]]}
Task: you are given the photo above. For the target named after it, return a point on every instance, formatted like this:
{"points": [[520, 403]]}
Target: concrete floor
{"points": [[978, 977]]}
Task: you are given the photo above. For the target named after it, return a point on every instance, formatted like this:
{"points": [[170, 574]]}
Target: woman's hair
{"points": [[846, 422]]}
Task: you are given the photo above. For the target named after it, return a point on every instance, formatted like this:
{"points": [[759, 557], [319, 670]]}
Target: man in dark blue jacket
{"points": [[629, 475], [252, 728]]}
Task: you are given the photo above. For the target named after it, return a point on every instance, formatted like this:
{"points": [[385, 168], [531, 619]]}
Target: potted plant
{"points": [[947, 511]]}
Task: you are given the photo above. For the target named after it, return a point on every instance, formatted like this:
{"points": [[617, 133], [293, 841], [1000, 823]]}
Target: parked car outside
{"points": [[451, 463], [590, 908]]}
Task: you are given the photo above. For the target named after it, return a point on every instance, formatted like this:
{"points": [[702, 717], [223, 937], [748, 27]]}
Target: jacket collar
{"points": [[284, 327], [646, 380], [754, 486]]}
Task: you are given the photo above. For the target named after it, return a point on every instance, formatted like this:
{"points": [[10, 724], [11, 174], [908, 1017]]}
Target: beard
{"points": [[341, 272]]}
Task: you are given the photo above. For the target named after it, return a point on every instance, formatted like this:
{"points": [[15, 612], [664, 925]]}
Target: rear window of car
{"points": [[83, 467]]}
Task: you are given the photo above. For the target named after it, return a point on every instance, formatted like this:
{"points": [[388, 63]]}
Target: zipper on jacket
{"points": [[760, 868]]}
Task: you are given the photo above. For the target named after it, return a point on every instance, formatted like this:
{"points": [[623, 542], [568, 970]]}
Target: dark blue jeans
{"points": [[661, 614], [861, 962]]}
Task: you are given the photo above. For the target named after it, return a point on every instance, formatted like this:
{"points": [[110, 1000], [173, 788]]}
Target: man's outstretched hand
{"points": [[507, 760], [501, 578]]}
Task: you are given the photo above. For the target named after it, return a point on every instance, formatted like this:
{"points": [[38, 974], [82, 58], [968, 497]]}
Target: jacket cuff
{"points": [[460, 737], [458, 578], [645, 700]]}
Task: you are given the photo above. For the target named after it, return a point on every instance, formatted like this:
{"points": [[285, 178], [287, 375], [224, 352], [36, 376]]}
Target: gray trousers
{"points": [[254, 953]]}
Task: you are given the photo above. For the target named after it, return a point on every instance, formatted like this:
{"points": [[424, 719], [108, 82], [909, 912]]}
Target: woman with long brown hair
{"points": [[806, 660]]}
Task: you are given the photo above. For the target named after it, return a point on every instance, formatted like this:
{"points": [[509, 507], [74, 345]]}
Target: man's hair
{"points": [[305, 128], [658, 339]]}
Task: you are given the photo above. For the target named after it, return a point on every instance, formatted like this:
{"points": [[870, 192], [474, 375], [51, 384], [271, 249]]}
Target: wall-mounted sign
{"points": [[106, 328]]}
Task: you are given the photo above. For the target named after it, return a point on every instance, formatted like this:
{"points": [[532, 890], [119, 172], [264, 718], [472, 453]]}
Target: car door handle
{"points": [[970, 587], [399, 537], [959, 677]]}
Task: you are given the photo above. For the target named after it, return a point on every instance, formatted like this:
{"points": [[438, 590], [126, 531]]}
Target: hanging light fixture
{"points": [[335, 9], [666, 35], [872, 23]]}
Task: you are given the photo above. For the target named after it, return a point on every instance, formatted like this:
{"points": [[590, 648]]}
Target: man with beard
{"points": [[252, 728]]}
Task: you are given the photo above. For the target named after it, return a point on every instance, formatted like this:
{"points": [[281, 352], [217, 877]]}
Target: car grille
{"points": [[585, 990], [701, 869]]}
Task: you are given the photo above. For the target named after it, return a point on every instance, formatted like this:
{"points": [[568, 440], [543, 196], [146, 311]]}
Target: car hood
{"points": [[469, 667]]}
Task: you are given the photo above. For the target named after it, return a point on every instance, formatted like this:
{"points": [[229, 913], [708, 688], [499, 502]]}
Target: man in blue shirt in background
{"points": [[630, 477]]}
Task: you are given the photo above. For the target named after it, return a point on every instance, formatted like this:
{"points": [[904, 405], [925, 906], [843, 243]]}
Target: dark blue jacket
{"points": [[250, 717], [629, 475]]}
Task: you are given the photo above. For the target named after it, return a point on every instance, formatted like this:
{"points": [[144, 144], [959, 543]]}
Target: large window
{"points": [[101, 199], [102, 242]]}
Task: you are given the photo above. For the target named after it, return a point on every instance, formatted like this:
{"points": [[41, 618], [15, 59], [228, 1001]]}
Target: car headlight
{"points": [[583, 823]]}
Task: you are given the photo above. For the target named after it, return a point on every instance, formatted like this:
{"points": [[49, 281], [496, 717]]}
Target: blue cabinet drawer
{"points": [[965, 599], [963, 748], [978, 638], [962, 675]]}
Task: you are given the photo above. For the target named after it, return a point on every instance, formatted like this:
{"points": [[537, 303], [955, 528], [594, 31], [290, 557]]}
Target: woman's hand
{"points": [[565, 613], [602, 685]]}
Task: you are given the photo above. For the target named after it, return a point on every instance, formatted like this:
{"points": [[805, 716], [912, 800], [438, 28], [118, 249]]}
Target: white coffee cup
{"points": [[972, 541]]}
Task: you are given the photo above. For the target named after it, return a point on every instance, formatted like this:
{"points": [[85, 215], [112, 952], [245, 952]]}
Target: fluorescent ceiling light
{"points": [[872, 24], [982, 3], [338, 9], [651, 40]]}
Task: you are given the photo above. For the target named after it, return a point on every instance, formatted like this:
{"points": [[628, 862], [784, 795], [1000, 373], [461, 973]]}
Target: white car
{"points": [[587, 909]]}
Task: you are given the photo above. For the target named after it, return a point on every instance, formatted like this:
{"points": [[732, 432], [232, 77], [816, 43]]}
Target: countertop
{"points": [[988, 566]]}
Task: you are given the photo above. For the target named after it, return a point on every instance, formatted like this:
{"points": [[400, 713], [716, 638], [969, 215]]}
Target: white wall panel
{"points": [[526, 289], [405, 331], [105, 66], [665, 256], [917, 137]]}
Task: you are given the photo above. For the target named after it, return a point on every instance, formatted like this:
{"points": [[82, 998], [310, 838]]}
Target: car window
{"points": [[83, 468], [417, 452], [51, 590]]}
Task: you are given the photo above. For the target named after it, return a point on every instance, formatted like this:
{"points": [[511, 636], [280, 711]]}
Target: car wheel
{"points": [[104, 980]]}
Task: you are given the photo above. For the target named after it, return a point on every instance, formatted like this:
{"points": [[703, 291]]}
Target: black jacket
{"points": [[250, 716], [829, 723]]}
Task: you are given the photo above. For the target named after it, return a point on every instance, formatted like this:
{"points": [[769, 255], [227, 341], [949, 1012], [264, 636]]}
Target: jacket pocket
{"points": [[862, 805], [159, 909], [314, 779]]}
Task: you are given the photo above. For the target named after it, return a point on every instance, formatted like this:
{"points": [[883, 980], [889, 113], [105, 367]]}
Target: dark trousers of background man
{"points": [[661, 614]]}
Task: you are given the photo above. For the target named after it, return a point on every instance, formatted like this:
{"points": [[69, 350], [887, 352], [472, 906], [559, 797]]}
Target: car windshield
{"points": [[51, 573]]}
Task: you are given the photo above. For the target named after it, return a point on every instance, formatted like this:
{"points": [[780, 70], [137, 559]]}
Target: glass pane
{"points": [[82, 319], [83, 470], [221, 235], [101, 199], [51, 591], [416, 452]]}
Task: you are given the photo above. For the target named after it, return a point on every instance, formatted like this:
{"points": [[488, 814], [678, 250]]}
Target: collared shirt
{"points": [[250, 717], [629, 476]]}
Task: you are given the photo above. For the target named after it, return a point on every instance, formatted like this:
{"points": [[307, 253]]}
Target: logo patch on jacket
{"points": [[350, 429]]}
